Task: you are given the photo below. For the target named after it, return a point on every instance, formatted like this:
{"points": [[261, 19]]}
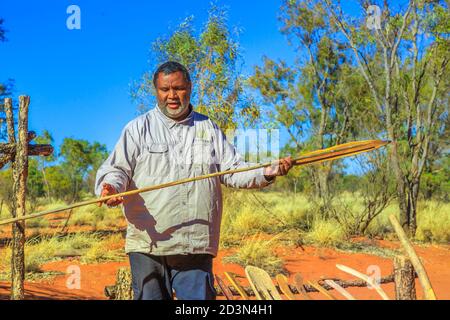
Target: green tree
{"points": [[42, 162], [404, 63], [35, 183], [212, 58], [6, 187], [316, 98], [59, 182], [98, 156], [78, 158]]}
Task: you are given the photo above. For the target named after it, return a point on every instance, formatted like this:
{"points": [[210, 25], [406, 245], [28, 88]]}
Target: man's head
{"points": [[173, 89]]}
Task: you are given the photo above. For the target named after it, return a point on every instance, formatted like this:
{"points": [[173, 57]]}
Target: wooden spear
{"points": [[415, 260], [333, 153]]}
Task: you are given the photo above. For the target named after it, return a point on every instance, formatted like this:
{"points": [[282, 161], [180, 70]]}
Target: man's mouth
{"points": [[173, 105]]}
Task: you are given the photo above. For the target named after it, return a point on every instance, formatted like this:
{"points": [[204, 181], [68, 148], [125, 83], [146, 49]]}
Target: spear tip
{"points": [[381, 143]]}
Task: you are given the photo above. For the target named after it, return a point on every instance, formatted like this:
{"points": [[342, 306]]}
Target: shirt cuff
{"points": [[268, 181]]}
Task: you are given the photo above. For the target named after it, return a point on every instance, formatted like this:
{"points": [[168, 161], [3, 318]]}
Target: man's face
{"points": [[173, 93]]}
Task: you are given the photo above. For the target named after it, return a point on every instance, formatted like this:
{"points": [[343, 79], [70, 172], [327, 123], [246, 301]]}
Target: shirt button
{"points": [[182, 167]]}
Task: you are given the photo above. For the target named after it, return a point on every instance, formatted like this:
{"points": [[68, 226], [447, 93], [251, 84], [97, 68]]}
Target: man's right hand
{"points": [[107, 191]]}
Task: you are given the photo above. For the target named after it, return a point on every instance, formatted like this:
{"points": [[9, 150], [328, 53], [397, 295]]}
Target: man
{"points": [[173, 233]]}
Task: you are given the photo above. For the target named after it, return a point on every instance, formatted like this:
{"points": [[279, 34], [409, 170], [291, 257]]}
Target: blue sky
{"points": [[79, 80]]}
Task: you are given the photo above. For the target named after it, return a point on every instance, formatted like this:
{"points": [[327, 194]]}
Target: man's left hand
{"points": [[278, 168]]}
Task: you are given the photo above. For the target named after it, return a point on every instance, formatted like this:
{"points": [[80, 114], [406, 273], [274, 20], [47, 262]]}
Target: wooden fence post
{"points": [[17, 151], [404, 276], [20, 174]]}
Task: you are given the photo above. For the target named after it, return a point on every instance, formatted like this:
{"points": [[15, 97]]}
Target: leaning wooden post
{"points": [[20, 174], [405, 277], [418, 266]]}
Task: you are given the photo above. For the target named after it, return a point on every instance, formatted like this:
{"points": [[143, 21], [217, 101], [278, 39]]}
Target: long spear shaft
{"points": [[333, 153]]}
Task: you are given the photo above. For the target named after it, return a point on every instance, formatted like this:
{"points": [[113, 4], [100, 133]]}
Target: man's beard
{"points": [[171, 113]]}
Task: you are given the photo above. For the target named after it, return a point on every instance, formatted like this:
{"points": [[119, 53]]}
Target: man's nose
{"points": [[172, 94]]}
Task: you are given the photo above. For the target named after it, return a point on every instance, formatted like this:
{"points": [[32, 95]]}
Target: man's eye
{"points": [[164, 89]]}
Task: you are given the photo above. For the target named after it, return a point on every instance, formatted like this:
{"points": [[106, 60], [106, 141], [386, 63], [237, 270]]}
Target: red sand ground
{"points": [[313, 263]]}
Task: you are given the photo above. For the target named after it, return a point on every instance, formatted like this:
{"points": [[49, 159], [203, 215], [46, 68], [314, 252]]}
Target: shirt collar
{"points": [[170, 123]]}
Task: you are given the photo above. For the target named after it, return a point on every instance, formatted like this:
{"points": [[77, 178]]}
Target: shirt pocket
{"points": [[155, 160], [204, 158]]}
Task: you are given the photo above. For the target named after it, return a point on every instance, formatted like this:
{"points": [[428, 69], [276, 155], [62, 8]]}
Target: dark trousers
{"points": [[154, 277]]}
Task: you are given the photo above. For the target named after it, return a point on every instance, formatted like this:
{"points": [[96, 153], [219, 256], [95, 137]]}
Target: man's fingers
{"points": [[283, 166], [107, 191], [114, 201]]}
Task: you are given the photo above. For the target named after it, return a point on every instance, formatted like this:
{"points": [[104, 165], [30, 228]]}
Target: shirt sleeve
{"points": [[230, 159], [117, 170]]}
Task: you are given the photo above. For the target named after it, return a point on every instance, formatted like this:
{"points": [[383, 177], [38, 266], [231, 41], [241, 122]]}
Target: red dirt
{"points": [[317, 263], [313, 263]]}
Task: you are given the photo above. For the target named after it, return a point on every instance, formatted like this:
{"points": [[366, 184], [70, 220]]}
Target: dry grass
{"points": [[40, 222], [433, 222], [97, 217], [248, 212], [109, 249], [92, 248], [326, 233], [260, 253]]}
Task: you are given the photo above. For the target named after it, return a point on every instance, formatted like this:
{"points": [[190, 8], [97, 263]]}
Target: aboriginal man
{"points": [[173, 233]]}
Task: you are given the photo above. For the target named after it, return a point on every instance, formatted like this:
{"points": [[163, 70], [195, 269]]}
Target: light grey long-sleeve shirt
{"points": [[155, 149]]}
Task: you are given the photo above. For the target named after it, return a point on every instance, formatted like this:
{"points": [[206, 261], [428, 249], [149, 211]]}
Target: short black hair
{"points": [[171, 67]]}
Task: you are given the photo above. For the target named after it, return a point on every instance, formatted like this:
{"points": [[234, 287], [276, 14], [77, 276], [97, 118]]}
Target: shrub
{"points": [[325, 233], [433, 222], [109, 249], [259, 253]]}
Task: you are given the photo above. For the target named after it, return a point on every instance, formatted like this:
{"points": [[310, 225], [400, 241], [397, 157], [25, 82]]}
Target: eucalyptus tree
{"points": [[403, 59], [317, 98], [212, 57]]}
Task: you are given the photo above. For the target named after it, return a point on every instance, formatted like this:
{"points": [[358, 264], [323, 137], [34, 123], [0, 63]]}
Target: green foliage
{"points": [[35, 181], [80, 157], [435, 181], [212, 58], [59, 182], [6, 188], [63, 176], [352, 83]]}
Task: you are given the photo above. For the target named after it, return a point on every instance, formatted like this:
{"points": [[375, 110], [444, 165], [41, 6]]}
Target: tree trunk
{"points": [[414, 198], [402, 195], [404, 275], [46, 183]]}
